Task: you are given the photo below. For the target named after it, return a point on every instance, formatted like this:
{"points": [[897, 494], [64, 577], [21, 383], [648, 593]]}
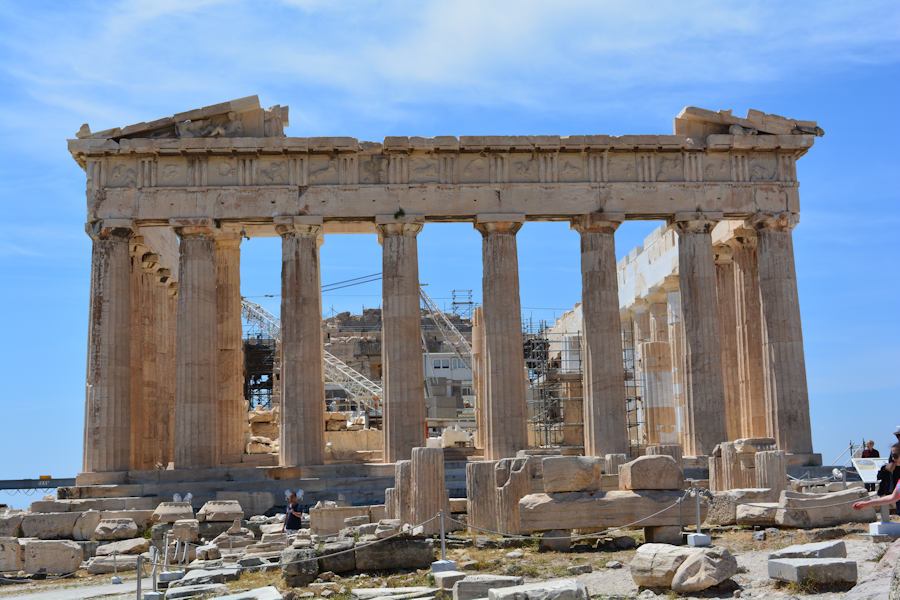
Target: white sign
{"points": [[868, 468]]}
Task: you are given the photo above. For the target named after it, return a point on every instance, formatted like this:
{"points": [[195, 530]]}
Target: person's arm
{"points": [[891, 499]]}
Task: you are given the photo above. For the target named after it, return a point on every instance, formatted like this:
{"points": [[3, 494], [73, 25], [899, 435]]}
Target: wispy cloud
{"points": [[112, 63]]}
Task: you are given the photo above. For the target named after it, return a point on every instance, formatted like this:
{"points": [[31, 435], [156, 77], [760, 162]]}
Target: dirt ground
{"points": [[610, 577]]}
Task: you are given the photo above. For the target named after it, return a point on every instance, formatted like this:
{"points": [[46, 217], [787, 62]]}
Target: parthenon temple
{"points": [[710, 301]]}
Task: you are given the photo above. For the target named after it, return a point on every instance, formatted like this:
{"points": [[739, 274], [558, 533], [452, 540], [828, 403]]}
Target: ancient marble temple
{"points": [[170, 201]]}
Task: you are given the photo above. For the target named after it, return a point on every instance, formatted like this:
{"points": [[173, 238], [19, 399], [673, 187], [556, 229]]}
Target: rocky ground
{"points": [[603, 568]]}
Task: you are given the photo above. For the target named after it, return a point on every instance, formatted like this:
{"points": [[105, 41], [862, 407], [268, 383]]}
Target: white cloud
{"points": [[113, 63]]}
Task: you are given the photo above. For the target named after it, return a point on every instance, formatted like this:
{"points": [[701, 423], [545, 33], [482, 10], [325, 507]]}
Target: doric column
{"points": [[229, 347], [605, 429], [196, 410], [166, 365], [505, 410], [725, 292], [107, 418], [401, 341], [150, 418], [302, 440], [783, 361], [697, 272], [676, 345], [754, 412], [659, 385]]}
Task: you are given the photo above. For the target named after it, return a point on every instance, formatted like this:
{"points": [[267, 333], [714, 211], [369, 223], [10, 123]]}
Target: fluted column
{"points": [[401, 341], [659, 385], [605, 428], [704, 387], [754, 412], [505, 410], [676, 345], [196, 410], [725, 292], [302, 440], [107, 419], [229, 347], [783, 360]]}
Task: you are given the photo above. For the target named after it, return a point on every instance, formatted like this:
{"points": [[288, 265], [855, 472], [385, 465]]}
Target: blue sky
{"points": [[371, 69]]}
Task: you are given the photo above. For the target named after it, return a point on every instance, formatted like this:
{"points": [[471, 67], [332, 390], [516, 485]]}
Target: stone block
{"points": [[831, 549], [268, 592], [132, 546], [222, 511], [654, 565], [203, 576], [458, 505], [651, 473], [86, 524], [587, 510], [115, 529], [807, 511], [556, 540], [169, 512], [817, 571], [758, 514], [212, 529], [329, 520], [54, 557], [186, 530], [572, 473], [704, 569], [478, 586], [330, 560], [208, 552], [141, 518], [299, 566], [253, 503], [11, 524], [206, 590], [395, 553], [556, 589], [112, 564], [11, 555], [445, 580], [723, 505], [49, 526], [667, 534]]}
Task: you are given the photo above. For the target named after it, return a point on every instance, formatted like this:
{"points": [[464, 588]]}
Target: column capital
{"points": [[598, 222], [780, 221], [193, 226], [302, 226], [695, 222], [408, 229], [722, 253], [499, 223], [229, 235], [102, 229]]}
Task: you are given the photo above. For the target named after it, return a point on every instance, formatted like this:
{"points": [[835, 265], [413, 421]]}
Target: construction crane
{"points": [[361, 389], [451, 334]]}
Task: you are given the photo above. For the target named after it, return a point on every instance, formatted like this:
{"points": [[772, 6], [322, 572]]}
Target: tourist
{"points": [[889, 474], [869, 451], [893, 498], [294, 515]]}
